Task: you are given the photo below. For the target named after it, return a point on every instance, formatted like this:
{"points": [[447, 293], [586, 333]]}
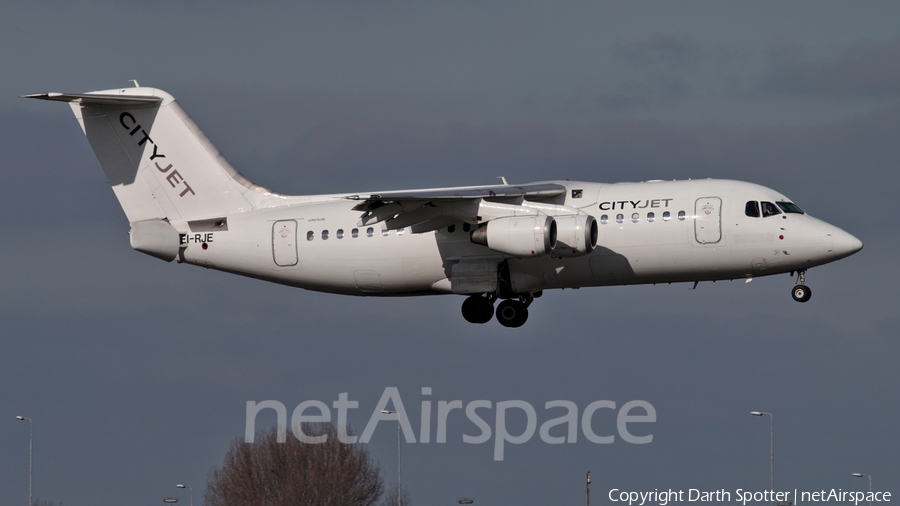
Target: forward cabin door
{"points": [[284, 243], [708, 220]]}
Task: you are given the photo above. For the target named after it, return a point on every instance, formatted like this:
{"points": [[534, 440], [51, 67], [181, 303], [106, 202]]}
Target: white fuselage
{"points": [[650, 232]]}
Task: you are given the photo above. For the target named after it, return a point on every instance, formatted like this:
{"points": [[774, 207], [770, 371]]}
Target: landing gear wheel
{"points": [[801, 293], [478, 309], [512, 313]]}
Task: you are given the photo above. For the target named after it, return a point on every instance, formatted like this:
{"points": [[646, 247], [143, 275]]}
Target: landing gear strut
{"points": [[801, 292]]}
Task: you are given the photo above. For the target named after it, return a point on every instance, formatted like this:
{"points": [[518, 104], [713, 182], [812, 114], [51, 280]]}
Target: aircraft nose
{"points": [[844, 244]]}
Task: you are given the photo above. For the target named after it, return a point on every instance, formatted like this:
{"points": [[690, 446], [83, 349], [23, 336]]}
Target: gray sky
{"points": [[136, 372]]}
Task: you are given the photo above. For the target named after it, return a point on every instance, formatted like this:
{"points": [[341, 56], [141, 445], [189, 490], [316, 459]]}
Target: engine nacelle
{"points": [[576, 235], [518, 235]]}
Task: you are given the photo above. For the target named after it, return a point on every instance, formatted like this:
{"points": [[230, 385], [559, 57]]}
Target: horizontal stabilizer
{"points": [[97, 99]]}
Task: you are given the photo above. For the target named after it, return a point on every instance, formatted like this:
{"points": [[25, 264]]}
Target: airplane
{"points": [[507, 242]]}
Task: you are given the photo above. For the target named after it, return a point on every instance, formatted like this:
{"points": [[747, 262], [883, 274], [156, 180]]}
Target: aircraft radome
{"points": [[509, 242]]}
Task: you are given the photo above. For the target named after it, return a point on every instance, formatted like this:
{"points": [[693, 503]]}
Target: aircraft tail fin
{"points": [[159, 163]]}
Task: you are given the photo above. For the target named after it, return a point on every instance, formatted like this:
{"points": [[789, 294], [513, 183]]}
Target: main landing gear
{"points": [[510, 313], [801, 292], [479, 308]]}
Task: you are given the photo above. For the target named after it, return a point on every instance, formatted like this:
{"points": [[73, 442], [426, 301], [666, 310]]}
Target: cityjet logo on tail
{"points": [[174, 178], [554, 430]]}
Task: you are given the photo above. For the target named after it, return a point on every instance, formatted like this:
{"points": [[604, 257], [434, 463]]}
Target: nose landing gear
{"points": [[801, 292]]}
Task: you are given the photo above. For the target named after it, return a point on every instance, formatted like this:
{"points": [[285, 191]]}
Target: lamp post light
{"points": [[189, 488], [30, 454], [771, 446], [860, 475], [389, 412], [587, 490]]}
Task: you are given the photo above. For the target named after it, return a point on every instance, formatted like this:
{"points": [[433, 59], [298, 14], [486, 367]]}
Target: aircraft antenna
{"points": [[136, 85], [501, 178]]}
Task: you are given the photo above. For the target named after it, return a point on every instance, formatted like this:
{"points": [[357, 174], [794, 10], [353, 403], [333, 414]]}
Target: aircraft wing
{"points": [[426, 210]]}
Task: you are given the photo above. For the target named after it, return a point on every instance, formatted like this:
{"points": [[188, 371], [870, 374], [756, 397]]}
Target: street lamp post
{"points": [[860, 475], [30, 454], [587, 490], [389, 412], [771, 447], [189, 488]]}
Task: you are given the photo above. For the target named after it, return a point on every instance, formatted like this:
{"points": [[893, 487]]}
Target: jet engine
{"points": [[576, 235], [518, 235]]}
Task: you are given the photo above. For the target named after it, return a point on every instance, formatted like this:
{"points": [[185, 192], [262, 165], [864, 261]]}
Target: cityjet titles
{"points": [[173, 177], [561, 428], [634, 204]]}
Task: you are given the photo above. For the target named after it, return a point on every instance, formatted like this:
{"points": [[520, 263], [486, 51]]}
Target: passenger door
{"points": [[708, 220], [284, 243]]}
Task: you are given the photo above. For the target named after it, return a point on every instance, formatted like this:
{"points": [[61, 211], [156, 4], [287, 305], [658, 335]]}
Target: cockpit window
{"points": [[789, 207], [752, 209], [769, 209]]}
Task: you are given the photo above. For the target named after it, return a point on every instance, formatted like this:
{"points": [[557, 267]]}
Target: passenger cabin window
{"points": [[620, 218], [324, 235], [651, 217], [635, 217], [451, 229], [604, 219], [310, 235], [751, 209], [354, 233], [769, 209], [680, 215], [385, 232], [466, 227], [400, 232], [340, 233], [666, 216], [370, 232], [789, 207]]}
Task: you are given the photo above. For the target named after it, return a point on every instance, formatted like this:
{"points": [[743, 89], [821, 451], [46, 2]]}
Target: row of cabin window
{"points": [[636, 217], [753, 208], [370, 232]]}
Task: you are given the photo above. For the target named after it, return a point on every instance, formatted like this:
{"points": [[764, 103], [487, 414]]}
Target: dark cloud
{"points": [[861, 70], [137, 371], [667, 52]]}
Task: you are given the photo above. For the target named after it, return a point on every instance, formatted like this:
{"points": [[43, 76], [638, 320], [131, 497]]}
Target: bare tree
{"points": [[390, 497], [268, 473]]}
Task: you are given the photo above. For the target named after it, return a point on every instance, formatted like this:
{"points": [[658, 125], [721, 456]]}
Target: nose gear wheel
{"points": [[801, 292]]}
